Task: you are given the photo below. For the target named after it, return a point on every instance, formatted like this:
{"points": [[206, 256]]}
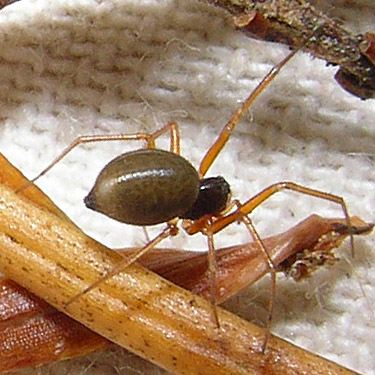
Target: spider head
{"points": [[213, 196]]}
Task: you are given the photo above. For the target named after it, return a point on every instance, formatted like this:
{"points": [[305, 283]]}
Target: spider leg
{"points": [[244, 218], [255, 235], [208, 228], [255, 201], [241, 213], [174, 135], [225, 133], [171, 126], [170, 230], [212, 269]]}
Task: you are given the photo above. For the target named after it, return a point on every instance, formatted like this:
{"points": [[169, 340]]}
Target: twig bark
{"points": [[291, 21]]}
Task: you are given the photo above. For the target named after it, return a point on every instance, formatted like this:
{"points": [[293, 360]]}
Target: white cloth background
{"points": [[70, 67]]}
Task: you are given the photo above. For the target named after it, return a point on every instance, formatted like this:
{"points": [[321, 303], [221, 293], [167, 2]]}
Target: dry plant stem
{"points": [[290, 21], [13, 178], [32, 332], [136, 309]]}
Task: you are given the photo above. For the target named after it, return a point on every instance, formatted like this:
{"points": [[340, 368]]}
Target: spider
{"points": [[151, 186]]}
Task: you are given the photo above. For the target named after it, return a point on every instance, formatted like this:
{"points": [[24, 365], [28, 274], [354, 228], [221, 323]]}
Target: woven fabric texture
{"points": [[70, 67]]}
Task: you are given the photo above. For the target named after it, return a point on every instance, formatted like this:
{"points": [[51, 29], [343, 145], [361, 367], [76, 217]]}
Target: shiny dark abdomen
{"points": [[145, 187]]}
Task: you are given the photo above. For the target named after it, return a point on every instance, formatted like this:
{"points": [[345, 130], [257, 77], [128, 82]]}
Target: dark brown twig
{"points": [[4, 3], [291, 21]]}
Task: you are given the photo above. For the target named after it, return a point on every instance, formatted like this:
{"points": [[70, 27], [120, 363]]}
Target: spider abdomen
{"points": [[145, 187]]}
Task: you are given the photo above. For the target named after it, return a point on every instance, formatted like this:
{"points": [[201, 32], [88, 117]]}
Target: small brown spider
{"points": [[151, 186]]}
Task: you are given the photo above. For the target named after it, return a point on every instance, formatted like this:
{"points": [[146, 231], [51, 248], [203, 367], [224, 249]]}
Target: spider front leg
{"points": [[227, 130], [247, 207]]}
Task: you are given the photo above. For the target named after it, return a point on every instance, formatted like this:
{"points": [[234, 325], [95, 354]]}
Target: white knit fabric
{"points": [[70, 67]]}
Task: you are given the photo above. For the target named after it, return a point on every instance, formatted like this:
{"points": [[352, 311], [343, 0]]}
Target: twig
{"points": [[27, 319], [4, 3], [290, 21]]}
